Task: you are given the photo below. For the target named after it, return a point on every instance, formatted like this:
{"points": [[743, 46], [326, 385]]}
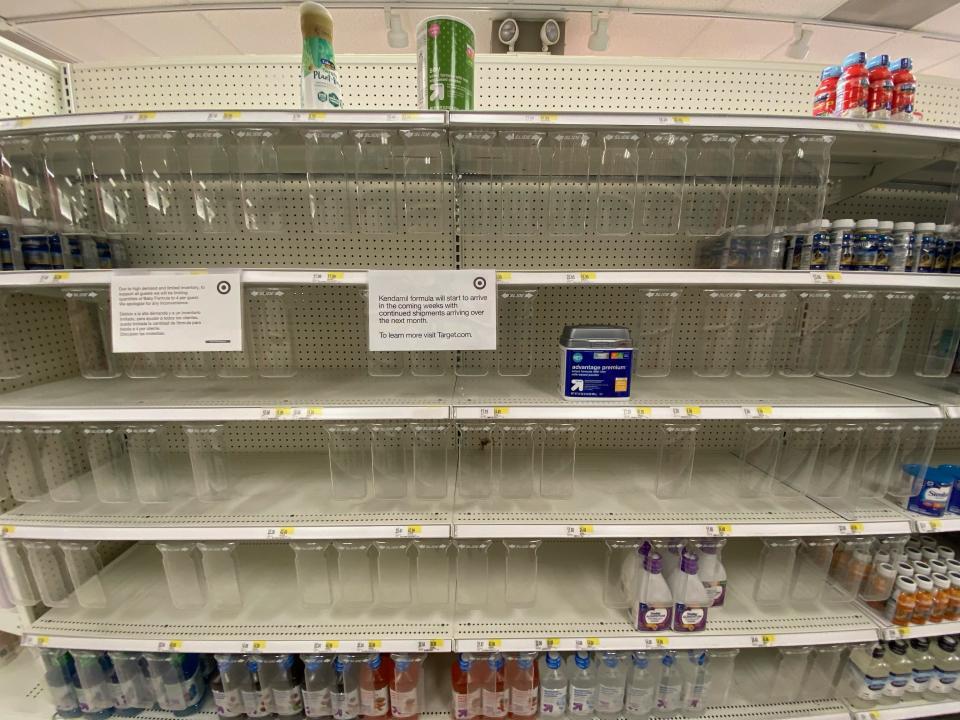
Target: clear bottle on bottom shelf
{"points": [[641, 691], [946, 667], [866, 676], [582, 675], [669, 686], [612, 670], [553, 685]]}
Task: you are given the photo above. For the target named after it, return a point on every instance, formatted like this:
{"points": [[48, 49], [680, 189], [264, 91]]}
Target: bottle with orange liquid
{"points": [[902, 601], [374, 684], [941, 597], [953, 607], [523, 685], [924, 605], [406, 685]]}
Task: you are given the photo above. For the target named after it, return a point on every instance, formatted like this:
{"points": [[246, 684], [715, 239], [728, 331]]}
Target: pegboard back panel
{"points": [[521, 82], [893, 204], [28, 86]]}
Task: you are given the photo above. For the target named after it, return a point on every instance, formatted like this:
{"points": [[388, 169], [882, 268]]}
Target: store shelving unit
{"points": [[613, 498]]}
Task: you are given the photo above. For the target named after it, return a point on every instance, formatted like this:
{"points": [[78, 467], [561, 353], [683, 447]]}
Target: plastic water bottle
{"points": [[277, 673], [611, 684], [93, 672], [177, 682], [317, 685], [553, 686], [583, 684], [641, 687], [669, 686], [228, 685], [696, 682], [59, 673]]}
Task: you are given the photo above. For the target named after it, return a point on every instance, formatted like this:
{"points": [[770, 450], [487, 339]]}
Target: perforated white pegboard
{"points": [[27, 90], [503, 83], [893, 204]]}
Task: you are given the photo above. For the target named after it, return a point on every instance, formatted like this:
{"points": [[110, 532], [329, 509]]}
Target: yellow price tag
{"points": [[331, 644], [259, 645], [768, 639], [317, 116], [42, 640], [414, 529], [644, 411], [834, 276], [23, 122], [231, 115], [374, 644], [586, 529], [593, 642], [61, 276], [501, 276], [494, 643], [549, 117], [501, 411], [286, 531], [175, 644], [693, 410], [681, 119], [856, 527], [313, 412], [588, 276], [661, 642], [877, 126], [284, 412], [724, 529], [7, 530], [764, 410], [553, 643], [436, 643], [146, 116], [335, 275]]}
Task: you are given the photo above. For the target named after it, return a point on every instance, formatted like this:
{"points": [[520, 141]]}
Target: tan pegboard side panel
{"points": [[26, 89]]}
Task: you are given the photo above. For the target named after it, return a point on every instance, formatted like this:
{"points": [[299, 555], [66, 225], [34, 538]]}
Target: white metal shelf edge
{"points": [[651, 278], [702, 412], [250, 645], [22, 531], [226, 413], [908, 711]]}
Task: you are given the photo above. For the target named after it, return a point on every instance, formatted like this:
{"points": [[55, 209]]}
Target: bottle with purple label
{"points": [[690, 599], [712, 573], [654, 606]]}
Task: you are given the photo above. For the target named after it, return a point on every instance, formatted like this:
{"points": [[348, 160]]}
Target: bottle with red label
{"points": [[880, 95], [904, 90], [825, 98], [853, 87]]}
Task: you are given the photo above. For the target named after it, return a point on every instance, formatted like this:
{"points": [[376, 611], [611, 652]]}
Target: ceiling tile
{"points": [[925, 52], [738, 39], [88, 39], [12, 9], [260, 32], [808, 9], [947, 22], [170, 34]]}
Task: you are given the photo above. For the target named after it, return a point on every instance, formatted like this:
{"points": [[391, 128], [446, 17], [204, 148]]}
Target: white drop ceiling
{"points": [[138, 30]]}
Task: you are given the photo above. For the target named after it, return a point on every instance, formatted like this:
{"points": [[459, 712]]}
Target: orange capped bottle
{"points": [[902, 601]]}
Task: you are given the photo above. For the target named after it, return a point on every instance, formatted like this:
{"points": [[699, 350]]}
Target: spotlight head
{"points": [[549, 33], [508, 32], [598, 39], [396, 36]]}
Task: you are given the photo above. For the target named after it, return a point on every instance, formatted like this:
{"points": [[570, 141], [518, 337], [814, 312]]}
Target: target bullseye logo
{"points": [[223, 287], [479, 283]]}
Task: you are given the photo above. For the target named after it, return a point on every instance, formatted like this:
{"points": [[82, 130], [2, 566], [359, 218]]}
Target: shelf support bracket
{"points": [[880, 173]]}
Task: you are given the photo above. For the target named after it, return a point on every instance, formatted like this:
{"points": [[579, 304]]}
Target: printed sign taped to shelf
{"points": [[176, 311], [432, 310]]}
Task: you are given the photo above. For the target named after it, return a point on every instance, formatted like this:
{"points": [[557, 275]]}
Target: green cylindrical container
{"points": [[446, 47]]}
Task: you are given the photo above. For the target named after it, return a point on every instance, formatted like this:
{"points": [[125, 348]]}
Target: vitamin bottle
{"points": [[941, 597], [902, 601], [953, 607], [924, 605], [886, 245], [878, 585], [926, 247], [904, 250]]}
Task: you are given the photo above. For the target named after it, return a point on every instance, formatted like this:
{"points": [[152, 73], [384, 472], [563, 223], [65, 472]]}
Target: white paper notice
{"points": [[432, 309], [171, 311]]}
